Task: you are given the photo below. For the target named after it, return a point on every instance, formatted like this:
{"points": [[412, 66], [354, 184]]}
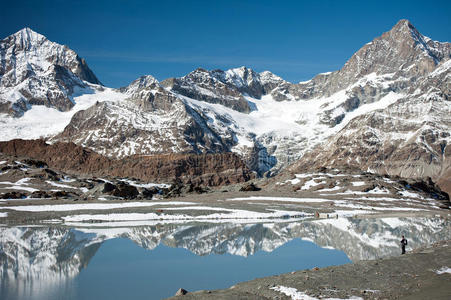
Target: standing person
{"points": [[403, 245]]}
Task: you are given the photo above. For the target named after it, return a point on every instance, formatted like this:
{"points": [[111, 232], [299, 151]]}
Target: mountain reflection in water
{"points": [[41, 262]]}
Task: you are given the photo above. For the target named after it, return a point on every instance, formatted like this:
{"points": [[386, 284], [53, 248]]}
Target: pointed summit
{"points": [[396, 50], [25, 39], [37, 71], [405, 31], [29, 34], [140, 83], [29, 47], [403, 24]]}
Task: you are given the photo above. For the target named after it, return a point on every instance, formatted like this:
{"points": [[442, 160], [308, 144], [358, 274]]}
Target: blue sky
{"points": [[122, 40]]}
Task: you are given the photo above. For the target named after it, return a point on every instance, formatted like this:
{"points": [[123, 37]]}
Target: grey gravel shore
{"points": [[415, 275]]}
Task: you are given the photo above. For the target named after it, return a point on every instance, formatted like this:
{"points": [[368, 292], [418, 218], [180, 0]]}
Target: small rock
{"points": [[251, 187], [108, 187], [13, 195], [125, 190], [181, 292]]}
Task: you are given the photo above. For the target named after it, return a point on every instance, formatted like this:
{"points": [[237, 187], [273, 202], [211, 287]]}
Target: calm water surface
{"points": [[153, 262]]}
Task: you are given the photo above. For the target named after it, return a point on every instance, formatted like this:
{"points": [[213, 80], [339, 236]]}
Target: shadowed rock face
{"points": [[207, 169], [36, 71]]}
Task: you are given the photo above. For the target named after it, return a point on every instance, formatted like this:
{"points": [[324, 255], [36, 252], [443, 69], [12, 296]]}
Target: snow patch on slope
{"points": [[40, 121]]}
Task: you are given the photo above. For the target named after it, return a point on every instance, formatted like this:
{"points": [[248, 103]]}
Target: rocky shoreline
{"points": [[424, 273]]}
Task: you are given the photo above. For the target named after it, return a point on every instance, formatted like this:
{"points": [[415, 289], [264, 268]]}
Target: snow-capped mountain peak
{"points": [[270, 122], [27, 38], [36, 71], [140, 83]]}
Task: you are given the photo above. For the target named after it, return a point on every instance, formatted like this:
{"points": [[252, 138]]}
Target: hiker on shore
{"points": [[403, 245]]}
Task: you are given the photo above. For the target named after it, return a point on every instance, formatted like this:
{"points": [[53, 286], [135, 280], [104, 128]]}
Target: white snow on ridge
{"points": [[41, 121]]}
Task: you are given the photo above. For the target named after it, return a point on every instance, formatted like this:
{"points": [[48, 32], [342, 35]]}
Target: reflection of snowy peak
{"points": [[54, 253], [360, 239], [363, 239], [34, 70], [236, 239], [48, 254], [392, 94]]}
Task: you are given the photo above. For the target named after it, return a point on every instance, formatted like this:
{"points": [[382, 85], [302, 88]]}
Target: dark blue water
{"points": [[122, 270], [153, 262]]}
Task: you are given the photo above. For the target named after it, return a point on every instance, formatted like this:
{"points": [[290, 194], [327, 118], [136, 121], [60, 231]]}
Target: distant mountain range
{"points": [[387, 110]]}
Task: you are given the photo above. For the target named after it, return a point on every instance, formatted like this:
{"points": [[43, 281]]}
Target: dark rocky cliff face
{"points": [[207, 169]]}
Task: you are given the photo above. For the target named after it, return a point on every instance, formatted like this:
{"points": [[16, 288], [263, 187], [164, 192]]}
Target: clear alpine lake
{"points": [[153, 262]]}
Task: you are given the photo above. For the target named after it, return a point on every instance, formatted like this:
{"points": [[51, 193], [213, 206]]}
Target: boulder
{"points": [[125, 190], [181, 292], [40, 194], [60, 194], [148, 193], [13, 195], [251, 187], [50, 174], [35, 163], [108, 187]]}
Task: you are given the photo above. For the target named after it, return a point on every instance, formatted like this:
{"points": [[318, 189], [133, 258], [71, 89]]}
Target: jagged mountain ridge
{"points": [[34, 70], [270, 122], [409, 137]]}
